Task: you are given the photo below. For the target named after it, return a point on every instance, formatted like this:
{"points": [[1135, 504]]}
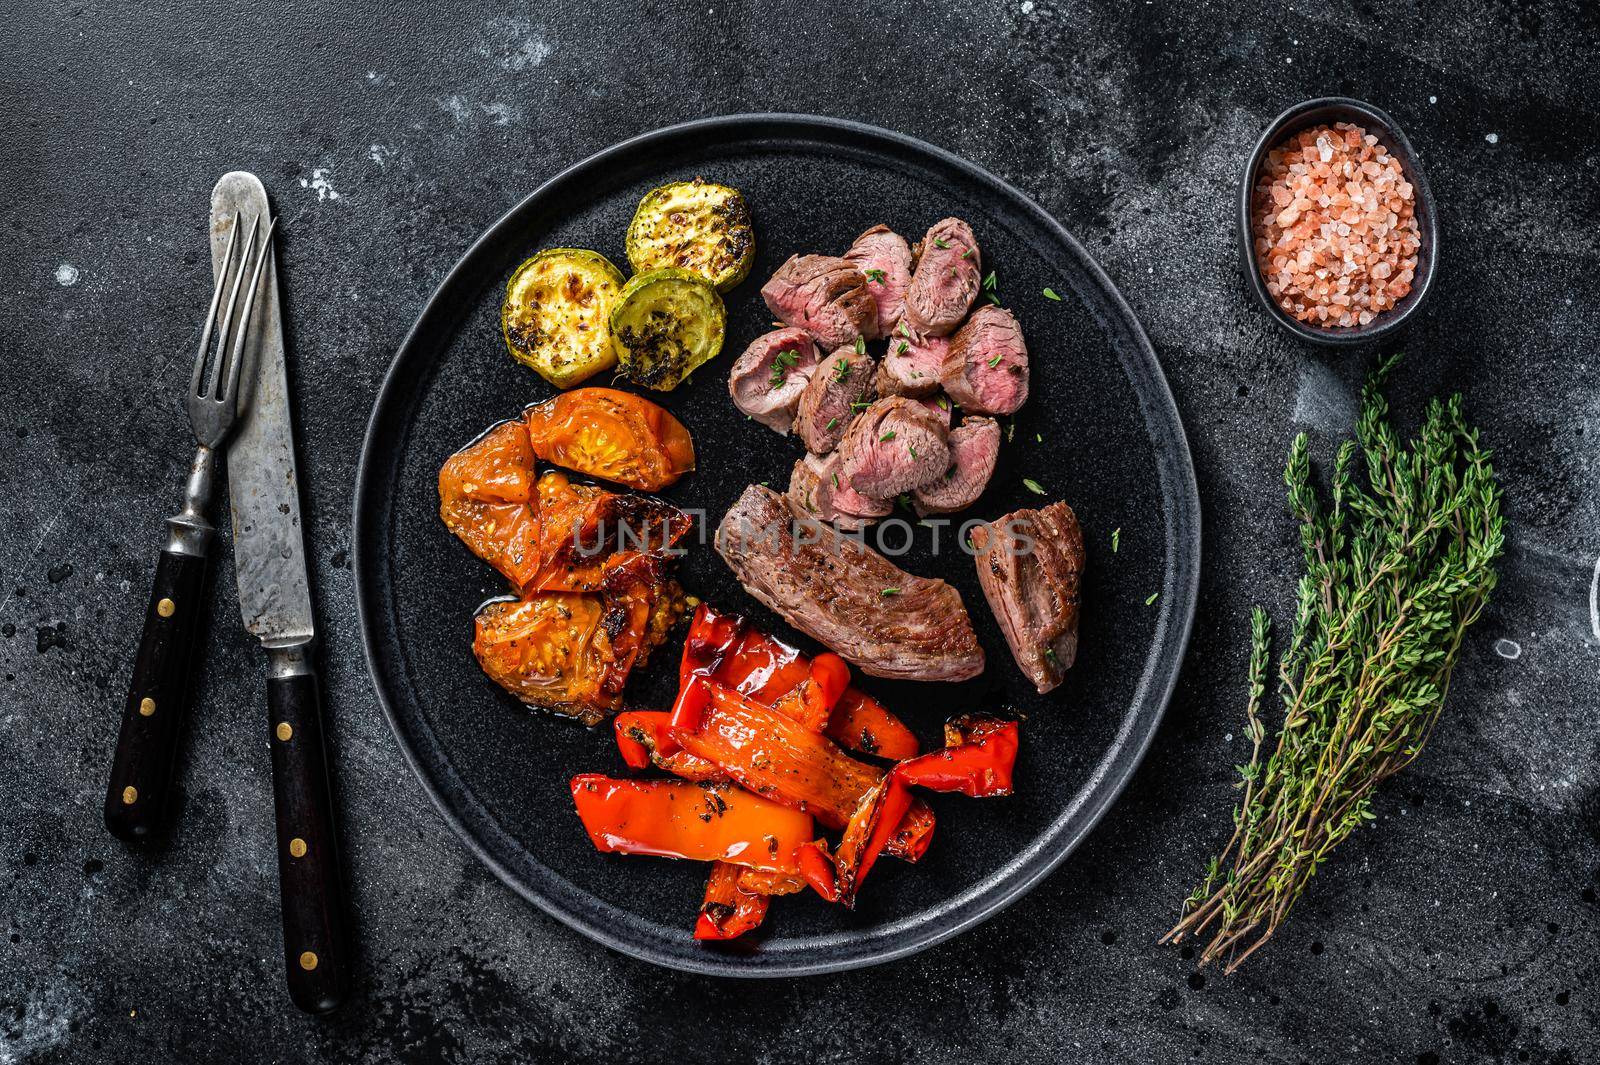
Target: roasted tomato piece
{"points": [[486, 497], [613, 435], [677, 819], [551, 650]]}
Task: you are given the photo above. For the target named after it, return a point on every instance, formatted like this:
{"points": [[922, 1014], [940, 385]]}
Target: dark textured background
{"points": [[1463, 929]]}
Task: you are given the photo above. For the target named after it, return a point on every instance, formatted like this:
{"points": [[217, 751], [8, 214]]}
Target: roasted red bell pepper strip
{"points": [[679, 819], [979, 764], [644, 739], [761, 882], [777, 757], [816, 866], [727, 649], [871, 827], [774, 755], [729, 911], [861, 723], [811, 701]]}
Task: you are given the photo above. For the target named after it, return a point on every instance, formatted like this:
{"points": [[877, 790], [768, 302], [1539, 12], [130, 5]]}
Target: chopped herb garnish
{"points": [[1050, 294], [1050, 653], [1038, 438], [886, 437], [904, 501], [988, 282], [902, 348], [912, 450], [874, 275], [992, 298], [836, 480], [967, 254], [1153, 597], [953, 271], [832, 422], [782, 363], [901, 328], [996, 360], [938, 242], [1033, 486], [861, 345], [860, 404], [1116, 539], [841, 372], [891, 591], [944, 402], [1011, 431]]}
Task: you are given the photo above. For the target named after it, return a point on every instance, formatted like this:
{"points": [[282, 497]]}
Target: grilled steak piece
{"points": [[766, 381], [828, 404], [974, 447], [824, 295], [912, 366], [887, 622], [896, 445], [946, 279], [816, 486], [986, 368], [884, 258], [1030, 563]]}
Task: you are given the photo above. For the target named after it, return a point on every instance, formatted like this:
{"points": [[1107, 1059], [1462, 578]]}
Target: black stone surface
{"points": [[1462, 929]]}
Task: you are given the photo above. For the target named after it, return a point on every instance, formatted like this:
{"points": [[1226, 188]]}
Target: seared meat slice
{"points": [[887, 622], [884, 258], [945, 281], [974, 447], [986, 368], [816, 486], [824, 295], [766, 381], [828, 404], [896, 445], [912, 366], [1030, 563]]}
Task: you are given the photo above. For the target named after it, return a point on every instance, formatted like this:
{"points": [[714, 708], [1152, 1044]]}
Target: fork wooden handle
{"points": [[315, 945], [152, 718]]}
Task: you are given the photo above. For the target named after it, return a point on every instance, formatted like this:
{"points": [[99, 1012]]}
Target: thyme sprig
{"points": [[1395, 573]]}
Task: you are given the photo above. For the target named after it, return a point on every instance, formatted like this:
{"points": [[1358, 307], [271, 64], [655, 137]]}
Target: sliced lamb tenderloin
{"points": [[816, 487], [884, 259], [895, 446], [946, 279], [828, 404], [845, 595], [912, 366], [974, 449], [766, 386], [824, 295], [940, 405], [986, 369], [1030, 564]]}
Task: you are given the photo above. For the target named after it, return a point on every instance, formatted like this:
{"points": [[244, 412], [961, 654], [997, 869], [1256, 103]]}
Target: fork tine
{"points": [[230, 393], [227, 312], [200, 358]]}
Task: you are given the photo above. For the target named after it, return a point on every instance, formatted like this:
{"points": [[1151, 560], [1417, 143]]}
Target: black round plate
{"points": [[1100, 431]]}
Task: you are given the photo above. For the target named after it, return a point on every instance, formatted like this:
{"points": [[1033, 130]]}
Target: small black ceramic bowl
{"points": [[1326, 111]]}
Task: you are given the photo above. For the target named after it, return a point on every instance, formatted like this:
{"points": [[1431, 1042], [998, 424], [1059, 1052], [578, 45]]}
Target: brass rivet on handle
{"points": [[166, 607], [130, 795], [284, 731], [297, 847], [308, 960], [147, 706]]}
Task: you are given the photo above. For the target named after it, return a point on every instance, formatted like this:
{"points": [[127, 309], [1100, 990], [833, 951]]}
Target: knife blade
{"points": [[275, 601]]}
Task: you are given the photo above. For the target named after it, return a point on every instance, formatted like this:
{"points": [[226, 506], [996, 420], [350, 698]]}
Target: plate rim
{"points": [[1119, 763]]}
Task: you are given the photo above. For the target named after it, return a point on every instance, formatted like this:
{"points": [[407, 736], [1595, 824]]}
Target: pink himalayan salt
{"points": [[1334, 226]]}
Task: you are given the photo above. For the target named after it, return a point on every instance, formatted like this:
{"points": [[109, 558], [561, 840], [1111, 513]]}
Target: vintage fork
{"points": [[141, 768]]}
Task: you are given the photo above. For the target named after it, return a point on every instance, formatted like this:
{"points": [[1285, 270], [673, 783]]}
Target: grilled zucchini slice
{"points": [[697, 226], [557, 314], [665, 324]]}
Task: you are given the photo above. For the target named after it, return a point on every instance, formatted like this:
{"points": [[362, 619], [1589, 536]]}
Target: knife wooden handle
{"points": [[314, 941], [152, 718]]}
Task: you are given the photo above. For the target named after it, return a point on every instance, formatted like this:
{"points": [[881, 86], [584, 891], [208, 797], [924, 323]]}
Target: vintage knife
{"points": [[269, 561]]}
